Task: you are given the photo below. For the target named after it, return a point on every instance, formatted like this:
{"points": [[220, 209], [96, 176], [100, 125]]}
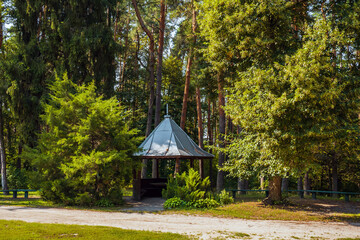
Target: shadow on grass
{"points": [[323, 209]]}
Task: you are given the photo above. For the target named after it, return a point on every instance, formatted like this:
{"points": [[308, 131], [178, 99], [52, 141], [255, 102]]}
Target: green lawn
{"points": [[251, 207], [22, 230], [35, 200]]}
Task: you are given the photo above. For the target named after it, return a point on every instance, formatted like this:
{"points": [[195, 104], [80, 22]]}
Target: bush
{"points": [[17, 178], [225, 198], [204, 203], [188, 190], [84, 151], [104, 203], [174, 202], [189, 187]]}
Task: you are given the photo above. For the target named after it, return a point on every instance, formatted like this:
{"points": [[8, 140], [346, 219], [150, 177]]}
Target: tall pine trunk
{"points": [[2, 151], [221, 174], [2, 144], [210, 136], [188, 69], [151, 79], [200, 130], [150, 68], [155, 163], [160, 60]]}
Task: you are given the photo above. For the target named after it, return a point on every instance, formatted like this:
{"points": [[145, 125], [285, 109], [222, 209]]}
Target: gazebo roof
{"points": [[168, 140]]}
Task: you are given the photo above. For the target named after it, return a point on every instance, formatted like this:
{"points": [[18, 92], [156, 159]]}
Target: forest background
{"points": [[271, 87]]}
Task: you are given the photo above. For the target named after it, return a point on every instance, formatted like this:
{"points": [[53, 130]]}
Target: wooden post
{"points": [[191, 163], [157, 168], [136, 185], [177, 166]]}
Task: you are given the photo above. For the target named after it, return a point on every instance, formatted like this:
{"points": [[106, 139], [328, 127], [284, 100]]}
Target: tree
{"points": [[160, 61], [2, 143], [151, 64], [85, 148], [290, 112]]}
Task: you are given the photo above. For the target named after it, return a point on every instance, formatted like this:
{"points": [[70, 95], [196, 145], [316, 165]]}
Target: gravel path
{"points": [[201, 227]]}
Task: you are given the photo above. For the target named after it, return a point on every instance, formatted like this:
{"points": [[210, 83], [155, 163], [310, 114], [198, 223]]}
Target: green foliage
{"points": [[246, 33], [17, 178], [187, 186], [289, 112], [188, 189], [84, 152], [174, 202], [204, 203], [225, 198]]}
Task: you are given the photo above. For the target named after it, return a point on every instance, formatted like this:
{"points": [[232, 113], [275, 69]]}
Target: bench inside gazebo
{"points": [[167, 142]]}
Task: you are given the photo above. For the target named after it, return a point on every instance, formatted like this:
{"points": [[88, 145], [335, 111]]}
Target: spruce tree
{"points": [[85, 148]]}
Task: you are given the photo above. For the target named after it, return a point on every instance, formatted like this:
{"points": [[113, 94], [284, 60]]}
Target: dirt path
{"points": [[201, 227]]}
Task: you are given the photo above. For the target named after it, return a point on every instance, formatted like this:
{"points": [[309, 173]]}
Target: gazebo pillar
{"points": [[155, 168], [201, 168], [136, 185], [177, 166]]}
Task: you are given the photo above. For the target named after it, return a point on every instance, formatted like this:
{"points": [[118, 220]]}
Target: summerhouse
{"points": [[167, 141]]}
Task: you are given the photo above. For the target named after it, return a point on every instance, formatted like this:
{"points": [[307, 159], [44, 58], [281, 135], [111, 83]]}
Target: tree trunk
{"points": [[334, 176], [200, 130], [242, 185], [150, 68], [307, 183], [188, 70], [2, 152], [186, 91], [221, 174], [285, 184], [18, 162], [210, 136], [151, 76], [274, 191], [262, 183], [160, 60], [300, 186]]}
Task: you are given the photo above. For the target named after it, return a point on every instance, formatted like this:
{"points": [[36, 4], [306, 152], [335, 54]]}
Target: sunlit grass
{"points": [[250, 207], [22, 230], [35, 200]]}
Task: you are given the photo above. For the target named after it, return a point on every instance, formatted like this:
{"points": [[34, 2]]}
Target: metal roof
{"points": [[168, 140]]}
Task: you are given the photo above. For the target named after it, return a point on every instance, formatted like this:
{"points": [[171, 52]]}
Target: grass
{"points": [[22, 230], [248, 206], [35, 200], [251, 207]]}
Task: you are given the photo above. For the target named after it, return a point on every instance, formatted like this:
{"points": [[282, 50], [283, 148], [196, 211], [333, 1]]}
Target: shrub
{"points": [[174, 202], [189, 187], [204, 203], [225, 198], [17, 178], [104, 203]]}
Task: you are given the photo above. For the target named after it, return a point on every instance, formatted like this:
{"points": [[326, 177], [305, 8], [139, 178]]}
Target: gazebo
{"points": [[167, 141]]}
